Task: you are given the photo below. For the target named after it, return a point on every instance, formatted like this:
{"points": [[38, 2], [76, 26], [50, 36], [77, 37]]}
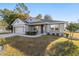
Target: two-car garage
{"points": [[19, 26]]}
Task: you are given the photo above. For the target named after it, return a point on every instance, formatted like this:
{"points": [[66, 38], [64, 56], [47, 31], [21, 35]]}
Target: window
{"points": [[52, 28], [56, 28], [17, 21], [30, 19]]}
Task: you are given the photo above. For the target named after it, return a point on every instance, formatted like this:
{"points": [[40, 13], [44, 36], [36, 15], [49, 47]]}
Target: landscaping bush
{"points": [[53, 34], [6, 40], [2, 41], [31, 33], [67, 35], [48, 33], [57, 34], [66, 48]]}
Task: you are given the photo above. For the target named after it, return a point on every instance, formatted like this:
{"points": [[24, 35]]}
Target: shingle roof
{"points": [[46, 20], [43, 20], [40, 21]]}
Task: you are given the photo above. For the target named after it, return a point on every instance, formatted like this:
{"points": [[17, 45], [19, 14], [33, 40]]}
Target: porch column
{"points": [[45, 29], [13, 30], [39, 29]]}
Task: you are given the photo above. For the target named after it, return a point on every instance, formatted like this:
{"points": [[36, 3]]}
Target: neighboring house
{"points": [[41, 26], [3, 26], [77, 30]]}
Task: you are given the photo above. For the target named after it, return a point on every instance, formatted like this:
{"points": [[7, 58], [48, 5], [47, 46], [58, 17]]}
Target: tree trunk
{"points": [[71, 36]]}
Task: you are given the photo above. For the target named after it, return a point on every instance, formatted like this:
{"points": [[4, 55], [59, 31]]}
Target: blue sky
{"points": [[58, 11]]}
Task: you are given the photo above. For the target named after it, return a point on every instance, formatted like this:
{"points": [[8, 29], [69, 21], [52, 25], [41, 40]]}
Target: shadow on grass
{"points": [[32, 46]]}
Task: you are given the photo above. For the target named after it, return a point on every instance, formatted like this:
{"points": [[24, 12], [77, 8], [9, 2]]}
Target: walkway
{"points": [[31, 36], [7, 35], [11, 35]]}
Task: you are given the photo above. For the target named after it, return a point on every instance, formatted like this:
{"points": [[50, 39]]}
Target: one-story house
{"points": [[41, 26]]}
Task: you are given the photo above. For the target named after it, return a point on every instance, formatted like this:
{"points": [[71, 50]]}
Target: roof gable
{"points": [[18, 22]]}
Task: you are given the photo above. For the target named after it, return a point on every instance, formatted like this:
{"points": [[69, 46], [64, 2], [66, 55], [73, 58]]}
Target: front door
{"points": [[42, 28]]}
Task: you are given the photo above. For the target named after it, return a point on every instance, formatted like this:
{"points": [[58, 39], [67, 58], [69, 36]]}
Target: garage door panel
{"points": [[19, 30]]}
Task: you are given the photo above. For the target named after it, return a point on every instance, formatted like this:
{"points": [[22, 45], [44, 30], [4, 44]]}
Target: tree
{"points": [[22, 16], [21, 11], [7, 15], [72, 27], [39, 16], [47, 17], [21, 8]]}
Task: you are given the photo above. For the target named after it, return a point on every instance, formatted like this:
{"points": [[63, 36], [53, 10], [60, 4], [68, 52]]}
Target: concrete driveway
{"points": [[7, 35]]}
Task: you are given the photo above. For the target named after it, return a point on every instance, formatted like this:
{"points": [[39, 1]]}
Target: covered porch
{"points": [[39, 29], [54, 28]]}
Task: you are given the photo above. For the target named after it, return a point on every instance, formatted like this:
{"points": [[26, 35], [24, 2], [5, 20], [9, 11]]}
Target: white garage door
{"points": [[19, 30]]}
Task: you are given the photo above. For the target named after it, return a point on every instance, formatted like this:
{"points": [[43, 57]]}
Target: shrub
{"points": [[2, 41], [6, 40], [53, 33], [31, 33], [48, 33], [67, 35], [64, 49]]}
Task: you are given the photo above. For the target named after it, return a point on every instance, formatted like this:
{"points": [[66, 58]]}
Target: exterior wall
{"points": [[48, 28], [26, 28], [54, 28], [61, 29]]}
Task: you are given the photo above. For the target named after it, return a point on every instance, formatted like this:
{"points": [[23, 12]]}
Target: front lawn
{"points": [[27, 46], [31, 46]]}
